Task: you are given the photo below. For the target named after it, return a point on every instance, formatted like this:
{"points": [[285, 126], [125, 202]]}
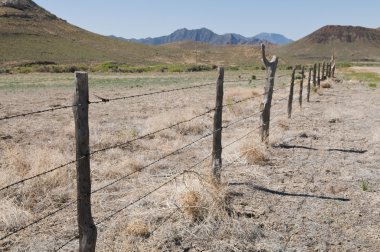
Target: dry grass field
{"points": [[313, 188]]}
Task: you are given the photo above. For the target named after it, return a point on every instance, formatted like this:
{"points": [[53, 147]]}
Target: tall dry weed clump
{"points": [[192, 205], [25, 162], [209, 202], [138, 228], [12, 216], [254, 154]]}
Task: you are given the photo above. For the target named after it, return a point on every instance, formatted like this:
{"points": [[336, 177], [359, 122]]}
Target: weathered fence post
{"points": [[315, 75], [319, 75], [301, 86], [308, 86], [217, 136], [323, 70], [332, 62], [86, 226], [290, 100], [268, 93], [333, 71], [329, 70]]}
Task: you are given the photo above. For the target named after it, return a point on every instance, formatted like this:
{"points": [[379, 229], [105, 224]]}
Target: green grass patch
{"points": [[364, 185], [372, 78], [372, 85]]}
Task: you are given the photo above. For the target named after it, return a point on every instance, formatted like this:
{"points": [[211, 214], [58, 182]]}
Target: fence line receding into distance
{"points": [[87, 228]]}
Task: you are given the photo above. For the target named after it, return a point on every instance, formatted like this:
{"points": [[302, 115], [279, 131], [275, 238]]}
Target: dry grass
{"points": [[138, 228], [12, 216], [191, 204], [237, 94], [254, 154], [40, 143]]}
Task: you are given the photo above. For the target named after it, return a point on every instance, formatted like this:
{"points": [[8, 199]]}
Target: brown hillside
{"points": [[348, 43], [28, 33]]}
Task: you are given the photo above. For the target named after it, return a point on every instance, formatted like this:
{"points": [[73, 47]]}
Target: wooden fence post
{"points": [[323, 70], [301, 86], [268, 93], [217, 136], [333, 66], [315, 75], [333, 71], [290, 100], [328, 71], [319, 75], [86, 226], [308, 85]]}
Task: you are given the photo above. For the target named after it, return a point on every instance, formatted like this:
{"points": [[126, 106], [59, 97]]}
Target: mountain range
{"points": [[29, 33], [207, 36]]}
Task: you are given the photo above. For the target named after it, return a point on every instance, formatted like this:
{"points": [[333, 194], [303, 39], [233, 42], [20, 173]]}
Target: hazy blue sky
{"points": [[151, 18]]}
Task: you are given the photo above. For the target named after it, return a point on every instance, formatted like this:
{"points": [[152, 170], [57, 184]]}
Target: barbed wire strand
{"points": [[130, 174], [109, 217], [121, 144], [37, 221], [161, 186], [36, 112], [41, 174], [168, 155], [105, 100]]}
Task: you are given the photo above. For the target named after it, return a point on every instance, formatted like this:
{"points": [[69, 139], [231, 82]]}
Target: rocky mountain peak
{"points": [[18, 4]]}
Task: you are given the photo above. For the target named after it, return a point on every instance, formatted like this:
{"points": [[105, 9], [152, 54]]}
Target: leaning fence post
{"points": [[315, 75], [301, 86], [290, 100], [319, 75], [86, 226], [268, 93], [308, 86], [217, 135]]}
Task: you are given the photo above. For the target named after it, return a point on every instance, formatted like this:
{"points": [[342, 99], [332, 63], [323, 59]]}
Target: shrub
{"points": [[138, 228], [372, 85]]}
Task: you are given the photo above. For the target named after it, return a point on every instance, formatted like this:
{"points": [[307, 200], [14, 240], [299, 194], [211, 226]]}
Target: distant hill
{"points": [[274, 38], [347, 43], [29, 33], [205, 35]]}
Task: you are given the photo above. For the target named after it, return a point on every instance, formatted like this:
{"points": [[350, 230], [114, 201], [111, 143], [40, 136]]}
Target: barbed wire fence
{"points": [[82, 161]]}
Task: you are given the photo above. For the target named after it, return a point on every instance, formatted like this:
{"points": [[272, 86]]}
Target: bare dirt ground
{"points": [[315, 187], [310, 197]]}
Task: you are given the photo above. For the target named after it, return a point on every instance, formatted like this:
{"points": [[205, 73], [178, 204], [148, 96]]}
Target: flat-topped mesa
{"points": [[18, 4]]}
